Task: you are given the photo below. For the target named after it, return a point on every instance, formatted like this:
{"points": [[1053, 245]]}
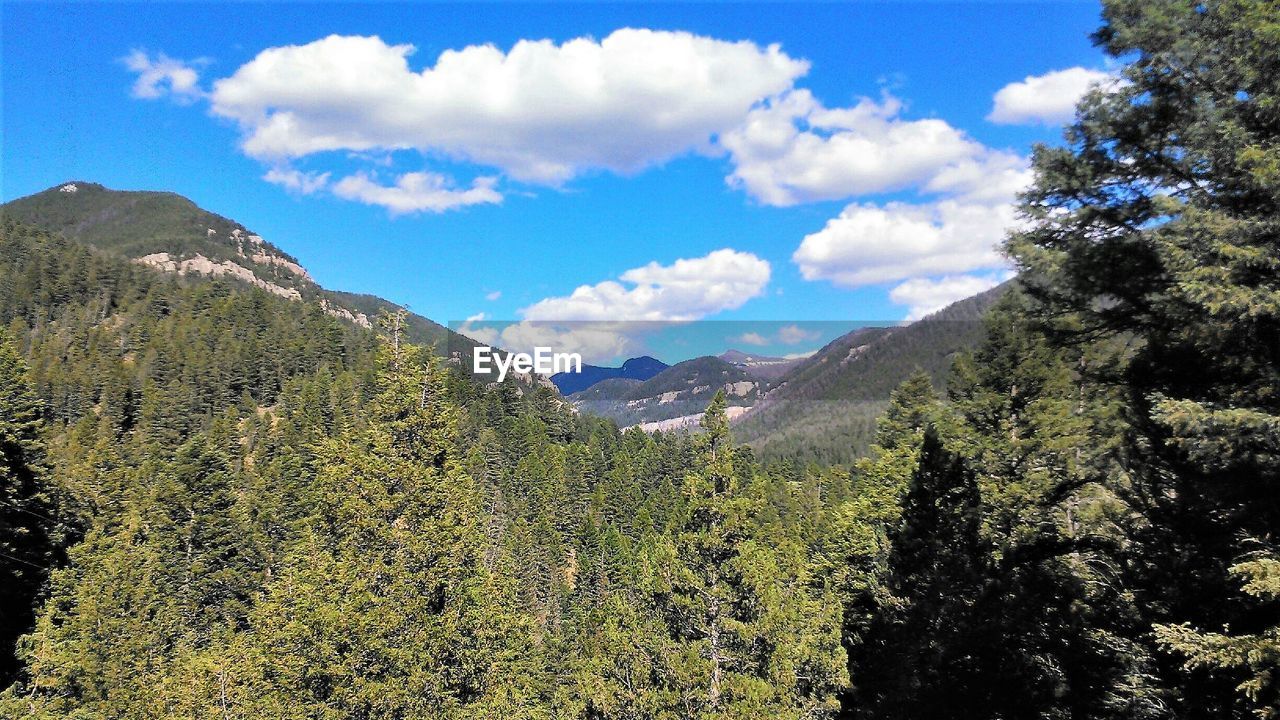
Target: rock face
{"points": [[762, 367], [685, 422], [342, 313], [201, 265]]}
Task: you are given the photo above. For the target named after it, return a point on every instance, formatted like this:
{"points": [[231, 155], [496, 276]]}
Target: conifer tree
{"points": [[28, 531], [1155, 230], [750, 638], [920, 656], [385, 607], [1258, 653]]}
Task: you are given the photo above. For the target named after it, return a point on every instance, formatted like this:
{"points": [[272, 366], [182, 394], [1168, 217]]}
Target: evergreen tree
{"points": [[1258, 653], [921, 655], [28, 531], [1155, 230], [385, 607], [750, 638]]}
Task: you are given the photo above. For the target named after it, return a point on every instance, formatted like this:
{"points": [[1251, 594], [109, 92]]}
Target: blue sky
{"points": [[856, 171]]}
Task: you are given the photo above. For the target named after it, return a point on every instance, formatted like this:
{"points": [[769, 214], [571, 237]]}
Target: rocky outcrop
{"points": [[342, 313], [685, 421], [201, 265]]}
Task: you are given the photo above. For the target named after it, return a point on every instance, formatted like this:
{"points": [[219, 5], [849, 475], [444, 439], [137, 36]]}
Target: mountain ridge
{"points": [[172, 234], [826, 407], [642, 367]]}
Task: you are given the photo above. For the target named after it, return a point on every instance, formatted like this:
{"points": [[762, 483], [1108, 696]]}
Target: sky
{"points": [[784, 163]]}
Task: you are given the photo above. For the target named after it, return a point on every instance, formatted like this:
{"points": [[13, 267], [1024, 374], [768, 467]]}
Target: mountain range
{"points": [[637, 368], [819, 407]]}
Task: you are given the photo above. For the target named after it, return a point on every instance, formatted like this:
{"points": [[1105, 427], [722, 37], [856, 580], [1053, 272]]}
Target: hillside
{"points": [[172, 234], [681, 390], [826, 406]]}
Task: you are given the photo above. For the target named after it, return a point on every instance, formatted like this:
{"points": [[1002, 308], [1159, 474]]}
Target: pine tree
{"points": [[385, 607], [28, 531], [919, 657], [1259, 653], [749, 636], [1155, 230]]}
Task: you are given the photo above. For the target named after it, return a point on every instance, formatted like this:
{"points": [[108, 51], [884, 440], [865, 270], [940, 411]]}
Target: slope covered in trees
{"points": [[825, 408], [140, 224], [685, 388]]}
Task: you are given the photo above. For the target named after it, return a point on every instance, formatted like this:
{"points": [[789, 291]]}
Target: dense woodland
{"points": [[217, 503]]}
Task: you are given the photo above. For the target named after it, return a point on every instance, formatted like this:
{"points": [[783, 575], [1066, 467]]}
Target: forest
{"points": [[217, 504]]}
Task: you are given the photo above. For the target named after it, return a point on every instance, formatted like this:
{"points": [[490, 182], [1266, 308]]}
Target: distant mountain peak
{"points": [[636, 368]]}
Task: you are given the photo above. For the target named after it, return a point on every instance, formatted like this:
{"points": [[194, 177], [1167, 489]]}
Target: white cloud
{"points": [[595, 342], [303, 183], [794, 335], [1049, 99], [493, 295], [687, 289], [751, 338], [993, 178], [924, 296], [869, 244], [416, 192], [958, 231], [163, 75], [786, 335], [609, 320], [540, 112], [793, 149]]}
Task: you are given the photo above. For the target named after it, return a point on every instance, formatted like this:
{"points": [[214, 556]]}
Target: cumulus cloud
{"points": [[793, 149], [1048, 99], [794, 335], [540, 112], [751, 338], [687, 289], [869, 243], [595, 342], [416, 192], [162, 75], [971, 207], [924, 296], [303, 183], [611, 319], [493, 295]]}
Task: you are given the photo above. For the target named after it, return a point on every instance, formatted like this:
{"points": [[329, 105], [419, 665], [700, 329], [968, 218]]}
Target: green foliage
{"points": [[249, 509], [1153, 248], [28, 532], [1258, 653], [826, 410]]}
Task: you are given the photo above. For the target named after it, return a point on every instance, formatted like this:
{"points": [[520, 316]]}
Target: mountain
{"points": [[170, 233], [680, 391], [826, 406], [637, 368], [760, 366]]}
